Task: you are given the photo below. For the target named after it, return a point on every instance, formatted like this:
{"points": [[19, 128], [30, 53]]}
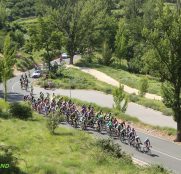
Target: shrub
{"points": [[21, 111], [4, 106], [112, 148], [143, 86], [106, 54], [120, 99], [53, 121]]}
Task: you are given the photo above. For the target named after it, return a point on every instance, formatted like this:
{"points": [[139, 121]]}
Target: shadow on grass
{"points": [[12, 170]]}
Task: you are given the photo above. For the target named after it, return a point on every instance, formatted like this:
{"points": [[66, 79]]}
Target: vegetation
{"points": [[143, 86], [53, 121], [8, 159], [127, 78], [62, 153], [21, 111], [106, 54], [132, 30], [120, 99], [153, 104], [75, 79], [43, 36], [7, 63], [165, 57]]}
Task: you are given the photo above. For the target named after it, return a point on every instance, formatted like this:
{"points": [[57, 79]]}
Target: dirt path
{"points": [[107, 79]]}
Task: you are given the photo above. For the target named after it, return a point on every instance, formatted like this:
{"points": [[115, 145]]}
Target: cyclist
{"points": [[132, 135], [138, 142], [147, 143]]}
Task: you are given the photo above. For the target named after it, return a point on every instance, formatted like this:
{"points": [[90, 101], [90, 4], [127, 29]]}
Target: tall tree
{"points": [[164, 42], [44, 36], [7, 62], [81, 22]]}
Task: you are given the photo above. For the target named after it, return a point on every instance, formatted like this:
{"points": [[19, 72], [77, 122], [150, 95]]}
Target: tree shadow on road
{"points": [[12, 96]]}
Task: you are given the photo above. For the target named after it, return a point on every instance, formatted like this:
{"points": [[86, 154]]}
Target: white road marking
{"points": [[166, 154], [139, 162]]}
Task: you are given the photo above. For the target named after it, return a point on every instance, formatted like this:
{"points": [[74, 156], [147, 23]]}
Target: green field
{"points": [[69, 151]]}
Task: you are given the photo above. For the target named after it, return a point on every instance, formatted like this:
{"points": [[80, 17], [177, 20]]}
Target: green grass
{"points": [[4, 106], [69, 151], [127, 78], [132, 80], [153, 104], [77, 79]]}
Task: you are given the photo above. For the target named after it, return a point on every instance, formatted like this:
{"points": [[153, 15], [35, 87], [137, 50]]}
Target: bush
{"points": [[113, 149], [53, 121], [143, 86], [4, 106], [120, 99], [106, 58], [21, 111]]}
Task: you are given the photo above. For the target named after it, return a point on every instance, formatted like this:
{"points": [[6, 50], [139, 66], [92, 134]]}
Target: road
{"points": [[164, 152]]}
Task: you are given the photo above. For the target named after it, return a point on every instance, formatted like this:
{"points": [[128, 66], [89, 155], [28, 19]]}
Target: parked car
{"points": [[36, 74], [64, 56]]}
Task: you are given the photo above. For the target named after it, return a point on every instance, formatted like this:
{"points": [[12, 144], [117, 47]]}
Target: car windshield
{"points": [[38, 71]]}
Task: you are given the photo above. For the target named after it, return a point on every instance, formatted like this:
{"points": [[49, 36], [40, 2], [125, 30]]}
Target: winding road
{"points": [[164, 152]]}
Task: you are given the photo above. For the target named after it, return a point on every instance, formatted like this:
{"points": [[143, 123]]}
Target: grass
{"points": [[4, 106], [132, 80], [153, 104], [69, 151], [127, 78], [77, 79]]}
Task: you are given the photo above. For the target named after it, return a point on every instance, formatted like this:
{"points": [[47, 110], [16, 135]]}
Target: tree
{"points": [[165, 41], [120, 99], [106, 54], [44, 36], [143, 86], [7, 62], [81, 22]]}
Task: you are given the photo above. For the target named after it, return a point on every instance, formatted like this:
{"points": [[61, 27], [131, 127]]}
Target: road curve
{"points": [[164, 152]]}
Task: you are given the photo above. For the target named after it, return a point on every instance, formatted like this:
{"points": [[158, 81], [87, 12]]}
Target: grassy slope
{"points": [[130, 79], [70, 151], [80, 80]]}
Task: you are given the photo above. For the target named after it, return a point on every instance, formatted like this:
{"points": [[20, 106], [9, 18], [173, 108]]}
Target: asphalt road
{"points": [[164, 152]]}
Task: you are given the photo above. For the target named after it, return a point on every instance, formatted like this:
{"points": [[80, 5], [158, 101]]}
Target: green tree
{"points": [[120, 99], [81, 21], [165, 41], [44, 36], [143, 86], [7, 62], [106, 54]]}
